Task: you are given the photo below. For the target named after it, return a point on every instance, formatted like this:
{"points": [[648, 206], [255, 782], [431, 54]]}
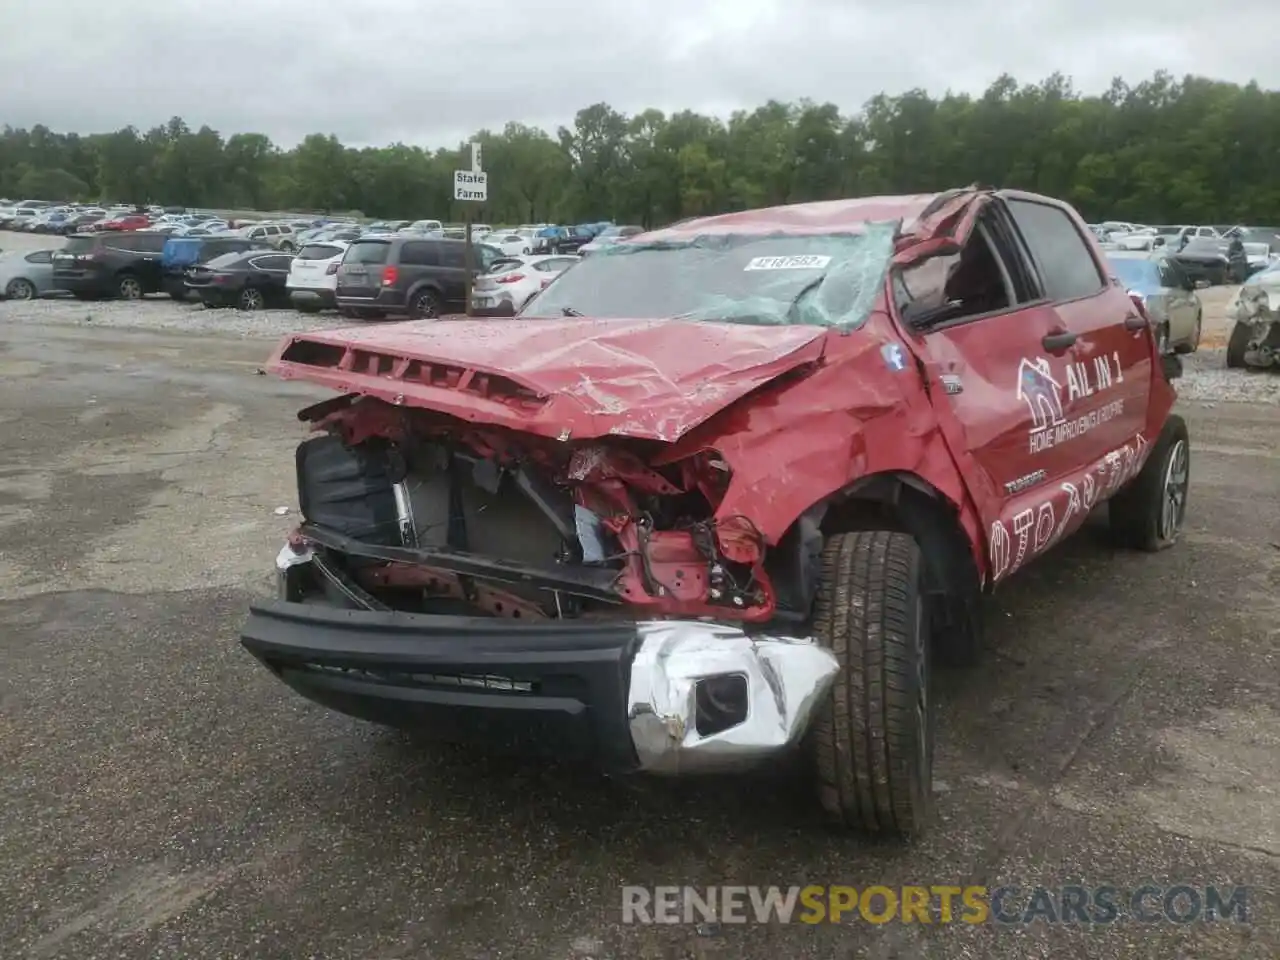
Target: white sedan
{"points": [[511, 244], [512, 281]]}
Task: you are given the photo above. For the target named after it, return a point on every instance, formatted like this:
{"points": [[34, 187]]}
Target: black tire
{"points": [[1185, 348], [872, 741], [425, 305], [180, 297], [1147, 513], [20, 289], [1239, 342], [251, 298], [129, 287], [306, 308]]}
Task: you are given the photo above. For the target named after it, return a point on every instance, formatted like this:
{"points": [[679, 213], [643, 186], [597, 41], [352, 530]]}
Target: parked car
{"points": [[313, 276], [129, 221], [247, 280], [754, 508], [1202, 258], [511, 282], [1255, 311], [179, 253], [421, 277], [607, 238], [1167, 293], [276, 235], [424, 227], [25, 276], [511, 244], [123, 264], [561, 240]]}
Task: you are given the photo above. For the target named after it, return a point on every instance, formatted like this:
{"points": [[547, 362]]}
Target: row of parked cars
{"points": [[374, 275], [1216, 254]]}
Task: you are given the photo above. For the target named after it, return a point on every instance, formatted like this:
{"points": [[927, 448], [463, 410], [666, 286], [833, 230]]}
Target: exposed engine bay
{"points": [[413, 510]]}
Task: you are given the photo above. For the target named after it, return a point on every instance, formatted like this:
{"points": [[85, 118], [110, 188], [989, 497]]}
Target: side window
{"points": [[40, 256], [276, 262], [1067, 268], [258, 234], [974, 282], [452, 255], [419, 254], [128, 241]]}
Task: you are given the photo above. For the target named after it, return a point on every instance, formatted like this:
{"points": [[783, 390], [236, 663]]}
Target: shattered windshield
{"points": [[827, 280]]}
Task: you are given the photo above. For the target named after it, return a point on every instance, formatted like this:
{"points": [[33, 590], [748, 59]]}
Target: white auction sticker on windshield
{"points": [[806, 262]]}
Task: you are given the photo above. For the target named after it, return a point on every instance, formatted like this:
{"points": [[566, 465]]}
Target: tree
{"points": [[1162, 150]]}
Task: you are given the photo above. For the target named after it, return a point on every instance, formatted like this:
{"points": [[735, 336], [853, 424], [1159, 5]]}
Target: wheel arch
{"points": [[425, 284], [904, 502]]}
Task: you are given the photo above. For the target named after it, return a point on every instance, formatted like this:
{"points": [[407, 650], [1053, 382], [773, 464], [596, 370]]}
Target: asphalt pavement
{"points": [[162, 796]]}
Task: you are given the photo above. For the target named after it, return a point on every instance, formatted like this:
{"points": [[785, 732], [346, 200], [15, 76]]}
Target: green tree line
{"points": [[1163, 150]]}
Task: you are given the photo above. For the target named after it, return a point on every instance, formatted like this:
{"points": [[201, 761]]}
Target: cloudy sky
{"points": [[431, 72]]}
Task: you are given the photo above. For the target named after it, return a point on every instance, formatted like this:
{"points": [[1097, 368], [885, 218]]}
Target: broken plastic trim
{"points": [[711, 278], [786, 679]]}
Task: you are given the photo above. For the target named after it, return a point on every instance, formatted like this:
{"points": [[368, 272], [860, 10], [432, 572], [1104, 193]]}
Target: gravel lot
{"points": [[164, 797]]}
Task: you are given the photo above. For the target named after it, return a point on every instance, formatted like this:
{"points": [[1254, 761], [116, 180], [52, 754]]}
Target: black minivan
{"points": [[422, 278]]}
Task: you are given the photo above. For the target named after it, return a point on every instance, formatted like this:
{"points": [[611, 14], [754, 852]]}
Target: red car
{"points": [[725, 493], [134, 221]]}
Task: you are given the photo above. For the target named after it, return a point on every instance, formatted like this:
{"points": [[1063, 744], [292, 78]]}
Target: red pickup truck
{"points": [[723, 490]]}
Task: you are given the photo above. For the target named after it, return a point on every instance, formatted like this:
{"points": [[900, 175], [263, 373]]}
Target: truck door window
{"points": [[1068, 270], [945, 289]]}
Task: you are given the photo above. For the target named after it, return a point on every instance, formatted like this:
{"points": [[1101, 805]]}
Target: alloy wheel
{"points": [[21, 290], [1173, 504]]}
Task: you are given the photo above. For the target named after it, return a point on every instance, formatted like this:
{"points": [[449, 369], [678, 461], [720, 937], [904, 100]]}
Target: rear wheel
{"points": [[20, 290], [425, 305], [129, 288], [872, 742], [250, 299], [1148, 513], [1238, 344], [286, 247]]}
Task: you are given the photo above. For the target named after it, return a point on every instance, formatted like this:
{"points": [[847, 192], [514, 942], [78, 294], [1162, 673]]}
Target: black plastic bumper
{"points": [[556, 689]]}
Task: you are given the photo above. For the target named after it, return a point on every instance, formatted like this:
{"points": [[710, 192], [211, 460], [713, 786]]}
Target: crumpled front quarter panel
{"points": [[864, 411]]}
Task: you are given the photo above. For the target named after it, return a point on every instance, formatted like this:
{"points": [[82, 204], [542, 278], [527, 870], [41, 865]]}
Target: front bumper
{"points": [[624, 695]]}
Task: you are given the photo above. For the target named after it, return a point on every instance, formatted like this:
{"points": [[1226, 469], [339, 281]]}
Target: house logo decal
{"points": [[1041, 393]]}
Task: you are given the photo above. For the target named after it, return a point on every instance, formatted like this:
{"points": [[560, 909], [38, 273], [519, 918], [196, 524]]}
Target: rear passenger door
{"points": [[143, 256], [1106, 381]]}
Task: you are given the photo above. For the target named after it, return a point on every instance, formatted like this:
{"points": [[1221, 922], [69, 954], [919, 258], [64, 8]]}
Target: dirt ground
{"points": [[163, 796]]}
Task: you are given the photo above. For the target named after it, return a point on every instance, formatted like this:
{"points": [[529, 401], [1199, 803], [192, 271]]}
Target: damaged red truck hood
{"points": [[577, 377]]}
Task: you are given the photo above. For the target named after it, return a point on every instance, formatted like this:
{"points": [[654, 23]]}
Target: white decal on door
{"points": [[1036, 527], [1044, 396]]}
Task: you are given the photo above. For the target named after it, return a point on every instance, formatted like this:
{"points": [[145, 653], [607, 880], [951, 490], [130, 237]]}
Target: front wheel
{"points": [[425, 305], [872, 742], [286, 247], [1238, 344], [1147, 513]]}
